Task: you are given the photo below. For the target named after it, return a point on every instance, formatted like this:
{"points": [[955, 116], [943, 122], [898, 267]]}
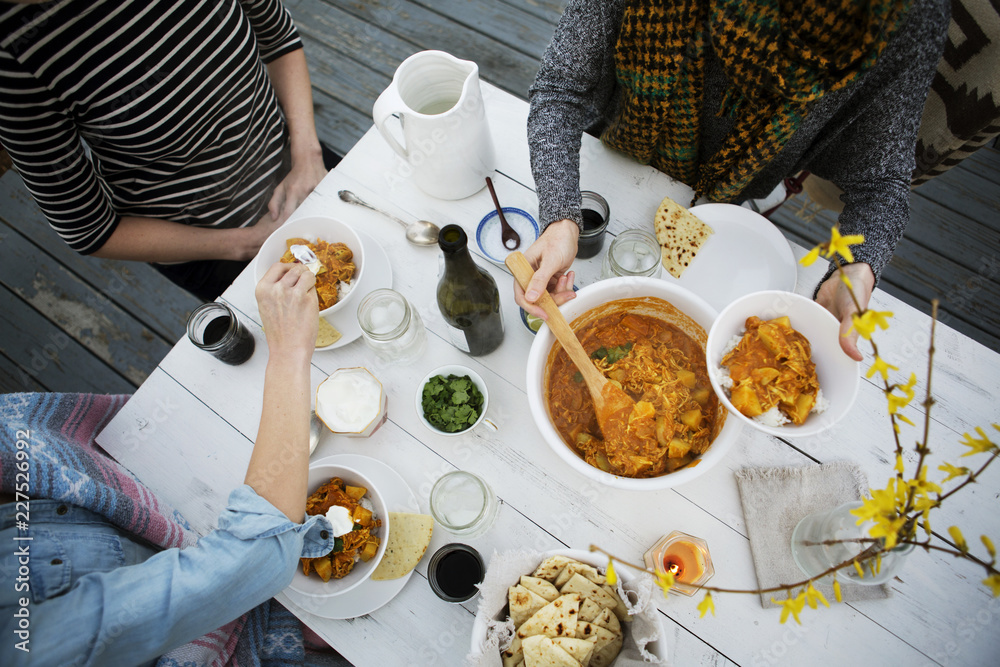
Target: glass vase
{"points": [[814, 557]]}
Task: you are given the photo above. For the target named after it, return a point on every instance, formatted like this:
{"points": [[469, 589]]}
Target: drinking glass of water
{"points": [[464, 504]]}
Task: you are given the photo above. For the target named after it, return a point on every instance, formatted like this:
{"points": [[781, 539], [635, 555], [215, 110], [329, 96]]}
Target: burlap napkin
{"points": [[776, 499], [506, 569]]}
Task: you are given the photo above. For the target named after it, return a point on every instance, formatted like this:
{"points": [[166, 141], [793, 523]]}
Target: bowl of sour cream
{"points": [[351, 402]]}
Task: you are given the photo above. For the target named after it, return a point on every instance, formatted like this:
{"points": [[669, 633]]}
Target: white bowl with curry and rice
{"points": [[337, 247], [364, 519], [649, 337], [776, 363]]}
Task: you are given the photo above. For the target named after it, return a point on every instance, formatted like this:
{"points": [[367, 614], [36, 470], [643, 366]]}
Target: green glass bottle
{"points": [[468, 297]]}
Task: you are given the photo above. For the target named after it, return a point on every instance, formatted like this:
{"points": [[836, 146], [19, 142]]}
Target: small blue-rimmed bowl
{"points": [[488, 233]]}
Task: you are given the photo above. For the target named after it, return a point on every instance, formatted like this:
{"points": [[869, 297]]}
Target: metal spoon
{"points": [[420, 232], [315, 430]]}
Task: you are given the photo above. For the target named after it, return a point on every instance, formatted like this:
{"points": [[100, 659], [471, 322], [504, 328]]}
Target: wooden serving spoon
{"points": [[611, 403]]}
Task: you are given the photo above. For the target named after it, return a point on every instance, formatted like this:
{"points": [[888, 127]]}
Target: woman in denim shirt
{"points": [[96, 594]]}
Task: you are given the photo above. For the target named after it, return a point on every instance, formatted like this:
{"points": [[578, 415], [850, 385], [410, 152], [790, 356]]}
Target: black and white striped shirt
{"points": [[171, 96]]}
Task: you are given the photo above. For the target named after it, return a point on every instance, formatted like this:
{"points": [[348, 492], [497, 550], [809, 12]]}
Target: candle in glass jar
{"points": [[686, 557], [685, 560]]}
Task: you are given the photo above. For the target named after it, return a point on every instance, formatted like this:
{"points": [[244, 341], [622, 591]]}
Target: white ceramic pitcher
{"points": [[446, 137]]}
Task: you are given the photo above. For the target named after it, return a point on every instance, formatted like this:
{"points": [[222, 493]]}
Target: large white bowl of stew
{"points": [[649, 337]]}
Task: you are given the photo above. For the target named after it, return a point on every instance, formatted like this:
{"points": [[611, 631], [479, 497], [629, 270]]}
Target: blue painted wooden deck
{"points": [[71, 323]]}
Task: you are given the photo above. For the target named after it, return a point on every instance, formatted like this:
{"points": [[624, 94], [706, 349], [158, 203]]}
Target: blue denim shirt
{"points": [[96, 595]]}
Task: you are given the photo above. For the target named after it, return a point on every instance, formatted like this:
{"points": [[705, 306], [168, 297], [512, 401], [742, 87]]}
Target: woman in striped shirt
{"points": [[151, 130]]}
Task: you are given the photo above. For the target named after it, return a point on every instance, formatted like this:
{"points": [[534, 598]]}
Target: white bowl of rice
{"points": [[838, 375]]}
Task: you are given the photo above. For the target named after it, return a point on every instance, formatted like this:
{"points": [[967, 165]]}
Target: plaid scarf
{"points": [[779, 56]]}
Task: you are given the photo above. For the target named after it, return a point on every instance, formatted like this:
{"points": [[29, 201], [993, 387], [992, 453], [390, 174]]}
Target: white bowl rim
{"points": [[383, 536], [815, 423], [283, 230], [452, 369], [656, 647], [536, 402]]}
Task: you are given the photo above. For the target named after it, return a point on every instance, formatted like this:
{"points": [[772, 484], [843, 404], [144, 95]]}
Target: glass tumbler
{"points": [[464, 504], [391, 327], [633, 253], [215, 328], [596, 214]]}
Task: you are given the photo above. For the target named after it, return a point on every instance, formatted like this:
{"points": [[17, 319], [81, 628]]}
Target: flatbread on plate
{"points": [[327, 333], [681, 235], [408, 540]]}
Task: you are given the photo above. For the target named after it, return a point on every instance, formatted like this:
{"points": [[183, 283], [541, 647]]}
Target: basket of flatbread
{"points": [[556, 609]]}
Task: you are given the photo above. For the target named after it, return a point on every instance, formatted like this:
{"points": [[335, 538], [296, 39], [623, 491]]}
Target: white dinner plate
{"points": [[746, 254], [488, 234], [369, 595], [377, 275]]}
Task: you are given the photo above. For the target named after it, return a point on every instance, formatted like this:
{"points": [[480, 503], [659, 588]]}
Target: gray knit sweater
{"points": [[861, 138]]}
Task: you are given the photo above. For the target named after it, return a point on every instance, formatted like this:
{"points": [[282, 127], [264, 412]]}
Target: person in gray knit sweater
{"points": [[857, 129]]}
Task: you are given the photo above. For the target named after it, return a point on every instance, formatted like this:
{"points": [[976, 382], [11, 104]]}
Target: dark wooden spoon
{"points": [[612, 404], [511, 239]]}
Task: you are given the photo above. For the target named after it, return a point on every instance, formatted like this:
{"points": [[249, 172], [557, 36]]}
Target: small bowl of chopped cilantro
{"points": [[452, 399]]}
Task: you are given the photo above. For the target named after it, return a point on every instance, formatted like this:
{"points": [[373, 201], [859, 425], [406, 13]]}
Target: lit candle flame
{"points": [[674, 569]]}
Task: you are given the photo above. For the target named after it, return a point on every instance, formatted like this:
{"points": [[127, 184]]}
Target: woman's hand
{"points": [[834, 296], [550, 255], [289, 310], [306, 173]]}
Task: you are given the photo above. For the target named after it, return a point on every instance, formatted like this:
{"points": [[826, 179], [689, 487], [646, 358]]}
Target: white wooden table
{"points": [[188, 433]]}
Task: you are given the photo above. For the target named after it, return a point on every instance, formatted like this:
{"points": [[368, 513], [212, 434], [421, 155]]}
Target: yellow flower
{"points": [[810, 257], [813, 596], [610, 575], [896, 401], [988, 543], [881, 367], [841, 245], [836, 591], [978, 445], [706, 605], [993, 581], [952, 471], [899, 468], [792, 606], [958, 539], [861, 572], [665, 580], [866, 322]]}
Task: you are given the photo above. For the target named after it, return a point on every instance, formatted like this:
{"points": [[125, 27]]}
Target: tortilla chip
{"points": [[556, 619], [327, 334], [540, 587], [581, 649], [523, 603], [607, 646], [621, 611], [551, 567], [587, 588], [589, 571], [408, 540], [607, 619], [681, 235], [590, 610], [539, 651]]}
